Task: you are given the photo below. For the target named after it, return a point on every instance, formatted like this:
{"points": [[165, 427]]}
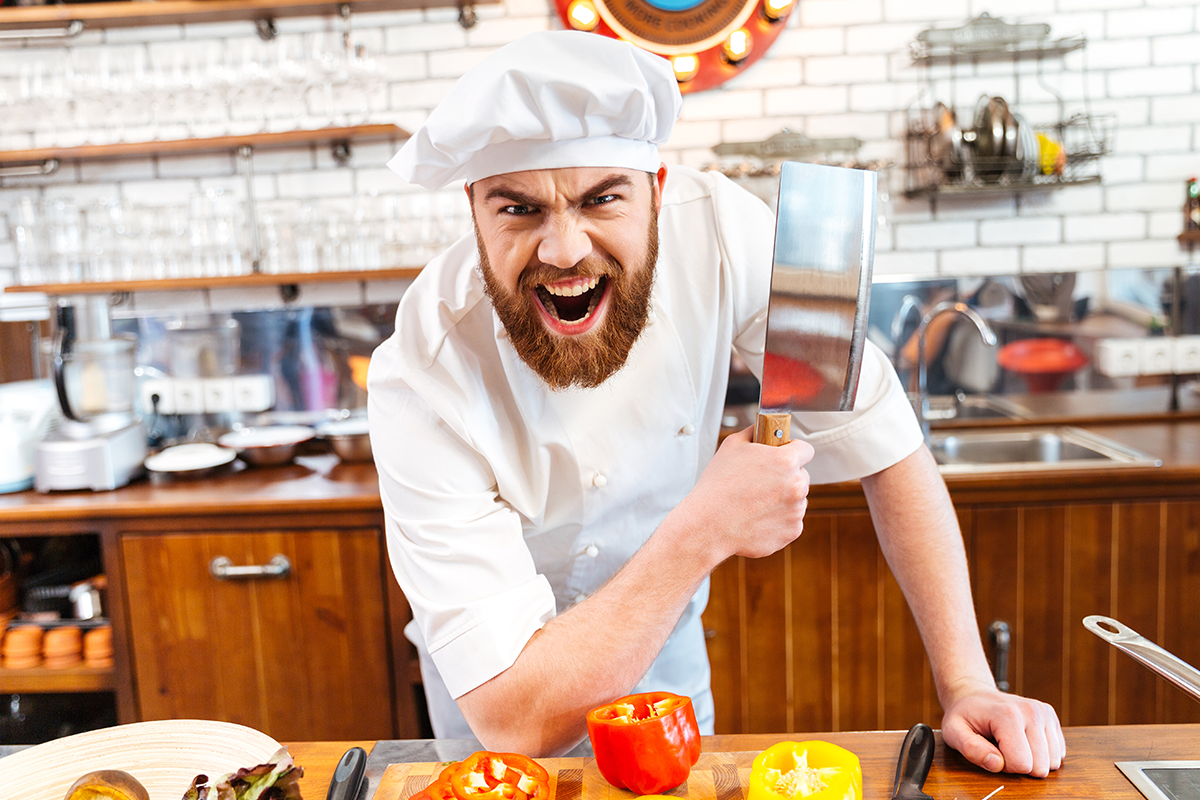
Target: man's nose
{"points": [[566, 242]]}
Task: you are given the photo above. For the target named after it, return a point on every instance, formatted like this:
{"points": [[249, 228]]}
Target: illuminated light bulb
{"points": [[775, 9], [685, 67], [737, 45], [583, 15]]}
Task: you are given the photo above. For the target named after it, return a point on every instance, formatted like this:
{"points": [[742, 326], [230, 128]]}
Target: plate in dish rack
{"points": [[164, 755]]}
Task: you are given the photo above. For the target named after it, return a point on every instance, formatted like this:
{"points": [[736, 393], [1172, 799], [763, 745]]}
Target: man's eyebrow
{"points": [[513, 195], [521, 198]]}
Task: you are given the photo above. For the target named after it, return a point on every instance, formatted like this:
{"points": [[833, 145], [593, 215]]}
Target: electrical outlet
{"points": [[218, 395], [1154, 355], [189, 396], [1117, 358], [158, 396], [1186, 355], [253, 392]]}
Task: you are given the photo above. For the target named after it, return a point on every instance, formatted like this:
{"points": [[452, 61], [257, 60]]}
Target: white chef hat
{"points": [[550, 99]]}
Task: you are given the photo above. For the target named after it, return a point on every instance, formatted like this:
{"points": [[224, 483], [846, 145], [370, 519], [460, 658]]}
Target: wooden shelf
{"points": [[176, 284], [257, 141], [71, 679], [1189, 238], [126, 14]]}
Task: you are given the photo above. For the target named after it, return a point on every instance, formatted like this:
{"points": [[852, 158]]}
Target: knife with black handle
{"points": [[348, 777], [916, 756]]}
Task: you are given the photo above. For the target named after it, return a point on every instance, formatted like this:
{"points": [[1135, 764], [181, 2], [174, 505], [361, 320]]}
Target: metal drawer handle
{"points": [[222, 568]]}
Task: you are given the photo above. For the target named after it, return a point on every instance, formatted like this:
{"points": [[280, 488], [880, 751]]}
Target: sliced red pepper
{"points": [[499, 776], [645, 742], [439, 788]]}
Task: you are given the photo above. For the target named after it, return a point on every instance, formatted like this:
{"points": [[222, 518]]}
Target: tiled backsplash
{"points": [[841, 68]]}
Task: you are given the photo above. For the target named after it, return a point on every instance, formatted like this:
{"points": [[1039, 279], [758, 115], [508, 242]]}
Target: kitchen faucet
{"points": [[908, 304], [946, 307]]}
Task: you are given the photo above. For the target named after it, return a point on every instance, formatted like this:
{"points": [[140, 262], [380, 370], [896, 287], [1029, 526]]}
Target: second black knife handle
{"points": [[916, 757], [347, 778]]}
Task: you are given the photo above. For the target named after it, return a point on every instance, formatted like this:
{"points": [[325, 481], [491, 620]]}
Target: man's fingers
{"points": [[973, 747]]}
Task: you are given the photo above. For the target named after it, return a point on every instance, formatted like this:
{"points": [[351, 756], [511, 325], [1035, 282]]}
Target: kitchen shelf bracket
{"points": [[47, 167], [72, 29], [265, 28]]}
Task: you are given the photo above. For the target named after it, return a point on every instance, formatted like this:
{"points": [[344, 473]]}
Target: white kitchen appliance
{"points": [[100, 444], [28, 413]]}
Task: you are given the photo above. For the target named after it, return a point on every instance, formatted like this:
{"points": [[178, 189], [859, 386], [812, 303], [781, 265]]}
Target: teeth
{"points": [[571, 291]]}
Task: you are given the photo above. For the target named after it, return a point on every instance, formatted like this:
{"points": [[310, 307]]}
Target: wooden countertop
{"points": [[1088, 772]]}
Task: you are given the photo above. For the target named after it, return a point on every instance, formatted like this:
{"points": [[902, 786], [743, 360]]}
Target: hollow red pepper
{"points": [[814, 770], [439, 788], [499, 776], [645, 742]]}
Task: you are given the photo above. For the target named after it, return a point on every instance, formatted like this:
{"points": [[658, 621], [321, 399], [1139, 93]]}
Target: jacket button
{"points": [[687, 430], [599, 481], [592, 551]]}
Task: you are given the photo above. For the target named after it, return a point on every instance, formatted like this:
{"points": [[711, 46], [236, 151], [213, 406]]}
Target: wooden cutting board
{"points": [[716, 776]]}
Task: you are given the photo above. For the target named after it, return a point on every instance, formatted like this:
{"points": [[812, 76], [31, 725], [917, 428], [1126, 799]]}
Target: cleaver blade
{"points": [[820, 293]]}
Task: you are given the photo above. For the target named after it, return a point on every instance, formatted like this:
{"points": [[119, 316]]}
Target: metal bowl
{"points": [[266, 447], [348, 438]]}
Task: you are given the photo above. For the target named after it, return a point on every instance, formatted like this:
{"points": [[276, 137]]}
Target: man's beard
{"points": [[589, 359]]}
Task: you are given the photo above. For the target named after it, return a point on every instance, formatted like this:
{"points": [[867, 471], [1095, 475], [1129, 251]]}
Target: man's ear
{"points": [[660, 179]]}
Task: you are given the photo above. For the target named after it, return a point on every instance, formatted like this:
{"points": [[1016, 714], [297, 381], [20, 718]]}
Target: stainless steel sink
{"points": [[1019, 449]]}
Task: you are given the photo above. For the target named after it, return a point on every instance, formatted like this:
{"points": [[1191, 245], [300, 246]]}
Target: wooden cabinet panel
{"points": [[300, 657], [1043, 568], [1135, 696], [816, 637], [1180, 599]]}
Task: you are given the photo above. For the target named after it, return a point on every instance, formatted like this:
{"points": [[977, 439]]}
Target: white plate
{"points": [[186, 457], [270, 436], [164, 755], [343, 427]]}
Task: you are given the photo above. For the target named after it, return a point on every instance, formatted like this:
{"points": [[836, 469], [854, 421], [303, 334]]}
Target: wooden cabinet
{"points": [[300, 656], [816, 637], [1044, 567], [819, 637]]}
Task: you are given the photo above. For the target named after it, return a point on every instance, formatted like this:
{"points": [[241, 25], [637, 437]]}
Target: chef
{"points": [[545, 421]]}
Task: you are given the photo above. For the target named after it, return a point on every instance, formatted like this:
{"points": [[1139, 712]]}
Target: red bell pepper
{"points": [[499, 776], [645, 742]]}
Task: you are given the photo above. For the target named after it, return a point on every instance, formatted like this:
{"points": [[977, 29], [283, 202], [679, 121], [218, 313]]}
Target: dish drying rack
{"points": [[996, 150]]}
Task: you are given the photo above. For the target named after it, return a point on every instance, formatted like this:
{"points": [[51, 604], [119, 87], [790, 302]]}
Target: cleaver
{"points": [[820, 292]]}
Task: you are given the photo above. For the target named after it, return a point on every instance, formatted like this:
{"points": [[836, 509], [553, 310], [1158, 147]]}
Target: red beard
{"points": [[588, 359]]}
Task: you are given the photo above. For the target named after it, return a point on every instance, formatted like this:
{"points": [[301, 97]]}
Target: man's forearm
{"points": [[920, 537], [590, 654]]}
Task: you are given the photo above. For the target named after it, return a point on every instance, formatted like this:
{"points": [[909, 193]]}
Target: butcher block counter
{"points": [[1088, 772], [321, 641]]}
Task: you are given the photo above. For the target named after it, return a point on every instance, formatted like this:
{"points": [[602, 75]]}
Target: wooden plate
{"points": [[164, 755]]}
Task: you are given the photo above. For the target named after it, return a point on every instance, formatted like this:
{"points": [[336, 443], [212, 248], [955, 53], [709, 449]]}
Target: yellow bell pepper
{"points": [[814, 769]]}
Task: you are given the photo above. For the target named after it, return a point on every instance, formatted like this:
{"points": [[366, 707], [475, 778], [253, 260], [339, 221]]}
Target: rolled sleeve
{"points": [[881, 430], [456, 547]]}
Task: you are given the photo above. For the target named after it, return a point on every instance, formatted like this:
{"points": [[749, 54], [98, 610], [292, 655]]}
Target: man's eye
{"points": [[518, 211], [602, 199]]}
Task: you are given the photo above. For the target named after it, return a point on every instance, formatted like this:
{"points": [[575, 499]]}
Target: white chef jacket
{"points": [[507, 502]]}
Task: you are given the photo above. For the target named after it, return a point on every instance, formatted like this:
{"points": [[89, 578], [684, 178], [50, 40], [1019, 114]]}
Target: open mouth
{"points": [[572, 303]]}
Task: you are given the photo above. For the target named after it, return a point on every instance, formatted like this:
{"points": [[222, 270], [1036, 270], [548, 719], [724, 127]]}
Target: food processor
{"points": [[100, 443]]}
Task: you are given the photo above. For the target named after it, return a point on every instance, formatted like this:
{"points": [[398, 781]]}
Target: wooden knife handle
{"points": [[773, 429]]}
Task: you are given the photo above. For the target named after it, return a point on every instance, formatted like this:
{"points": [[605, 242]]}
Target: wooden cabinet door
{"points": [[817, 637], [302, 657], [1043, 568]]}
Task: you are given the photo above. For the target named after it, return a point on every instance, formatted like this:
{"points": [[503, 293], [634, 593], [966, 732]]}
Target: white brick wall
{"points": [[840, 68]]}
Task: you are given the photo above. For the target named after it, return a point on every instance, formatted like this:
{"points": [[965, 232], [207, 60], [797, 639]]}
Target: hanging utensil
{"points": [[1133, 644]]}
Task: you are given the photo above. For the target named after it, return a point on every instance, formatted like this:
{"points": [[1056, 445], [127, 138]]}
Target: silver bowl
{"points": [[266, 447], [348, 438]]}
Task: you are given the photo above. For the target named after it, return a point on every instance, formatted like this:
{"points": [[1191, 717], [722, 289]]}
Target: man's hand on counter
{"points": [[1005, 733]]}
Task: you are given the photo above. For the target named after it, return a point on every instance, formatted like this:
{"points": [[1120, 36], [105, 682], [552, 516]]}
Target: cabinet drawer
{"points": [[300, 655]]}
